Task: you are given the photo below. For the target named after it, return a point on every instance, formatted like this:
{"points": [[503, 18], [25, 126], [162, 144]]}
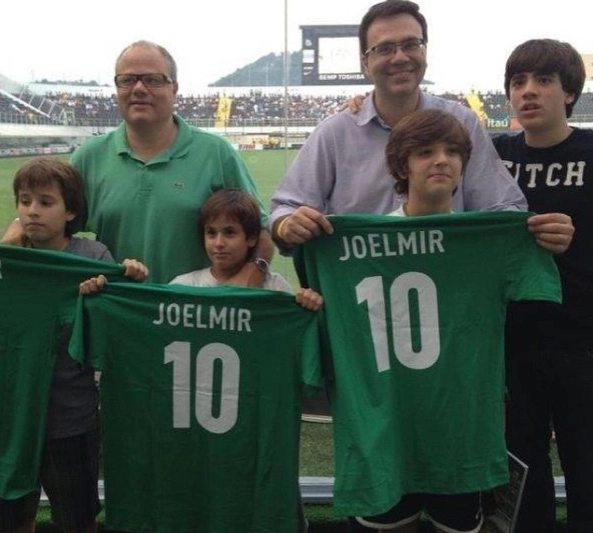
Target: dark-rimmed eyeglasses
{"points": [[151, 80], [408, 47]]}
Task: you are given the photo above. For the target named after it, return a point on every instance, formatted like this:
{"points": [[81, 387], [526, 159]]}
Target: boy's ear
{"points": [[252, 241], [70, 216]]}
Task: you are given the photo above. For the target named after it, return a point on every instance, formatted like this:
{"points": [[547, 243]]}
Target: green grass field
{"points": [[267, 168]]}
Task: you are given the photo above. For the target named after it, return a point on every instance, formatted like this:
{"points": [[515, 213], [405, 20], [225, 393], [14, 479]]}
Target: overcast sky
{"points": [[469, 40]]}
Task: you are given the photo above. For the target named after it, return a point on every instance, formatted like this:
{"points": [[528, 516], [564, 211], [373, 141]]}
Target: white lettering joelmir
{"points": [[392, 244], [203, 317]]}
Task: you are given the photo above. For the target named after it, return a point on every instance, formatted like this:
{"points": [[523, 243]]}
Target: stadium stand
{"points": [[251, 120], [83, 109]]}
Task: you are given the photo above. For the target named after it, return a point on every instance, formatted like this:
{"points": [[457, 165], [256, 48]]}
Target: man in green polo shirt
{"points": [[146, 181]]}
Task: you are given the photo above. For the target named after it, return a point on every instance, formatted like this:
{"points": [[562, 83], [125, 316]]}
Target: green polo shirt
{"points": [[149, 211]]}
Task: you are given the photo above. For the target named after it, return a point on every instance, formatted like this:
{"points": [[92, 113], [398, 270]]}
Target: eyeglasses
{"points": [[409, 47], [127, 81]]}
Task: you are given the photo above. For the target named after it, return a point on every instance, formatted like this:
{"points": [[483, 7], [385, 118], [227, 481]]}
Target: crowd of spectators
{"points": [[254, 107]]}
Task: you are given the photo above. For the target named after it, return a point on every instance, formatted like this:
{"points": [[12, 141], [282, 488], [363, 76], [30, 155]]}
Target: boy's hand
{"points": [[309, 299], [15, 236], [135, 270], [93, 285], [552, 231]]}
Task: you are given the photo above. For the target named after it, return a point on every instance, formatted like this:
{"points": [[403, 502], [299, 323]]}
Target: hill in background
{"points": [[267, 71]]}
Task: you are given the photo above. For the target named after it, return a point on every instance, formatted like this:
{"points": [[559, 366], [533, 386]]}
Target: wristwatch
{"points": [[262, 264]]}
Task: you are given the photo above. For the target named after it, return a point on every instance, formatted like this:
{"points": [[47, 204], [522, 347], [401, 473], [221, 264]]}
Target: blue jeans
{"points": [[552, 389]]}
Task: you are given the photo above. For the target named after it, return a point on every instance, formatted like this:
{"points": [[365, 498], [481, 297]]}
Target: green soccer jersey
{"points": [[200, 405], [415, 312], [38, 294]]}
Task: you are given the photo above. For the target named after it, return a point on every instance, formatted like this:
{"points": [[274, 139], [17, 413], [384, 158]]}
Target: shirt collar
{"points": [[179, 148], [369, 112]]}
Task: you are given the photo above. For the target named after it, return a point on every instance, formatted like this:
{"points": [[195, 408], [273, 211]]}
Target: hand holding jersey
{"points": [[300, 226]]}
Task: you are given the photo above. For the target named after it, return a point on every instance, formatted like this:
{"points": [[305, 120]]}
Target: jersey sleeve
{"points": [[532, 273], [82, 337], [311, 373]]}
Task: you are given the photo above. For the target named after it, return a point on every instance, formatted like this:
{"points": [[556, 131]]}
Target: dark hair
{"points": [[548, 56], [43, 171], [234, 204], [161, 49], [389, 8], [424, 128]]}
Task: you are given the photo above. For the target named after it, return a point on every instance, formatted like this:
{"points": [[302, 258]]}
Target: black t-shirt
{"points": [[557, 179]]}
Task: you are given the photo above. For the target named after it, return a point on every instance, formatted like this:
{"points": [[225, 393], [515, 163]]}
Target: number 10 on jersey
{"points": [[216, 363], [414, 321]]}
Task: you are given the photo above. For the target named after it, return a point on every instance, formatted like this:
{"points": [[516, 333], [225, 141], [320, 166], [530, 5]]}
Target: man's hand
{"points": [[552, 231], [252, 275], [249, 276], [302, 225], [354, 104]]}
